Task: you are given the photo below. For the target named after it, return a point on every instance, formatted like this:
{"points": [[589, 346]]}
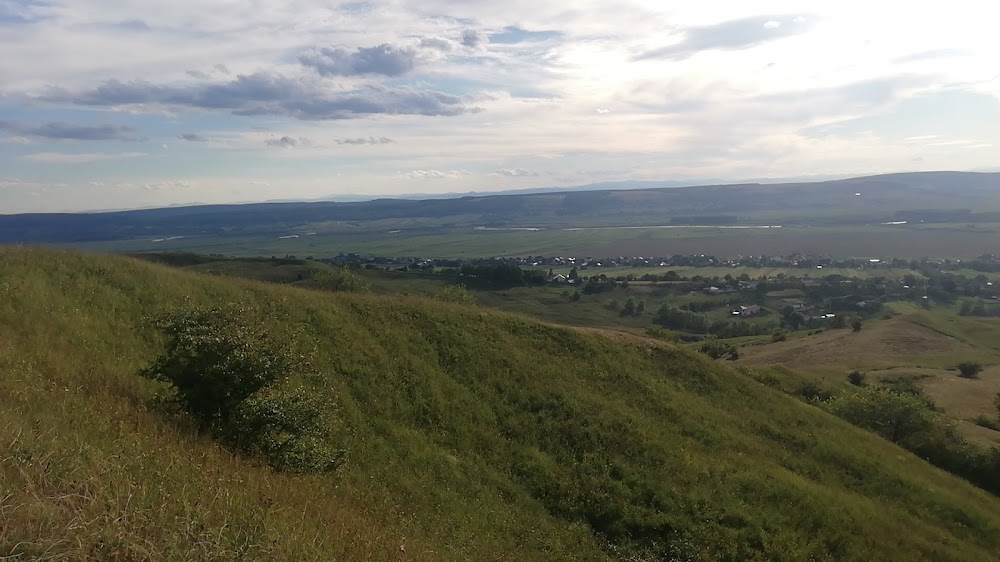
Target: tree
{"points": [[856, 324], [796, 320], [857, 378], [629, 308], [969, 369]]}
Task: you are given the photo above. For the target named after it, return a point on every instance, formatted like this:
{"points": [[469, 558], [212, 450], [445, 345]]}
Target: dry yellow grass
{"points": [[905, 346], [965, 397], [883, 344]]}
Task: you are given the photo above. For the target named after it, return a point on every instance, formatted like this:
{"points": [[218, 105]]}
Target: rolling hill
{"points": [[469, 434], [931, 196]]}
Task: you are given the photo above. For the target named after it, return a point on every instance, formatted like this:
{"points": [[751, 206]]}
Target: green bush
{"points": [[893, 415], [233, 377], [662, 334], [779, 337], [342, 279], [812, 392], [290, 428], [969, 369], [857, 378], [718, 349], [458, 294], [910, 421], [983, 420]]}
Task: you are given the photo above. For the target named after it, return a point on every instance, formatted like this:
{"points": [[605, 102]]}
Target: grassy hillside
{"points": [[920, 345], [473, 435]]}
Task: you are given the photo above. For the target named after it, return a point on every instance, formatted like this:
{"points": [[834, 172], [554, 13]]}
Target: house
{"points": [[558, 279], [744, 311], [713, 290], [795, 304]]}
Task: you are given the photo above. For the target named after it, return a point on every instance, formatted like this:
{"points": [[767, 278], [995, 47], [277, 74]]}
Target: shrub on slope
{"points": [[233, 377]]}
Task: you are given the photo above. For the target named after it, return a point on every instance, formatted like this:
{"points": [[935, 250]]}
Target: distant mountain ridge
{"points": [[958, 195]]}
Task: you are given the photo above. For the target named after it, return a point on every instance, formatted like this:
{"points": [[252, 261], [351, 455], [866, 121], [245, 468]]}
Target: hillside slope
{"points": [[473, 435]]}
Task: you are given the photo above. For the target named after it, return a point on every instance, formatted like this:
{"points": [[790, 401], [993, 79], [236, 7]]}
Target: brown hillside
{"points": [[886, 343]]}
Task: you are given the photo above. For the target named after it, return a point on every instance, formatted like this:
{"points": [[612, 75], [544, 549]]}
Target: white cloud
{"points": [[287, 142], [435, 174], [515, 173], [950, 143], [78, 158], [173, 184], [459, 86]]}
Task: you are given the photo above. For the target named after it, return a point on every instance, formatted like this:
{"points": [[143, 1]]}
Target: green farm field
{"points": [[753, 272], [901, 241]]}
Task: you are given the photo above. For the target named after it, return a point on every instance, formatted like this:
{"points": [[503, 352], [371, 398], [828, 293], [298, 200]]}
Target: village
{"points": [[699, 295]]}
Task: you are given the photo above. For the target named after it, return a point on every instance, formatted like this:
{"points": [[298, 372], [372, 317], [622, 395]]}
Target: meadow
{"points": [[737, 271], [923, 346], [910, 342], [907, 241], [471, 434]]}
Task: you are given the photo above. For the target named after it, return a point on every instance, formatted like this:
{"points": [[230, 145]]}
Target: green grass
{"points": [[272, 271], [451, 242], [753, 272], [475, 435]]}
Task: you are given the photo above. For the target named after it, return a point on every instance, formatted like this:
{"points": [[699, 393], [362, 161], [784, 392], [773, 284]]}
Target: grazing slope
{"points": [[921, 346], [473, 435], [881, 344]]}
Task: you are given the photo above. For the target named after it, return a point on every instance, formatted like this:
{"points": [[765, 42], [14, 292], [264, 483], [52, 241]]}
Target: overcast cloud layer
{"points": [[128, 103]]}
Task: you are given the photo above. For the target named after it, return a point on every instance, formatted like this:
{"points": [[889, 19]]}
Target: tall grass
{"points": [[474, 435]]}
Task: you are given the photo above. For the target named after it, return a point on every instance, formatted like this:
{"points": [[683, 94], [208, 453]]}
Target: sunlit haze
{"points": [[120, 104]]}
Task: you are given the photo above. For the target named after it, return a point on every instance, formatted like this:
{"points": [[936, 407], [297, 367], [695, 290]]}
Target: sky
{"points": [[112, 104]]}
